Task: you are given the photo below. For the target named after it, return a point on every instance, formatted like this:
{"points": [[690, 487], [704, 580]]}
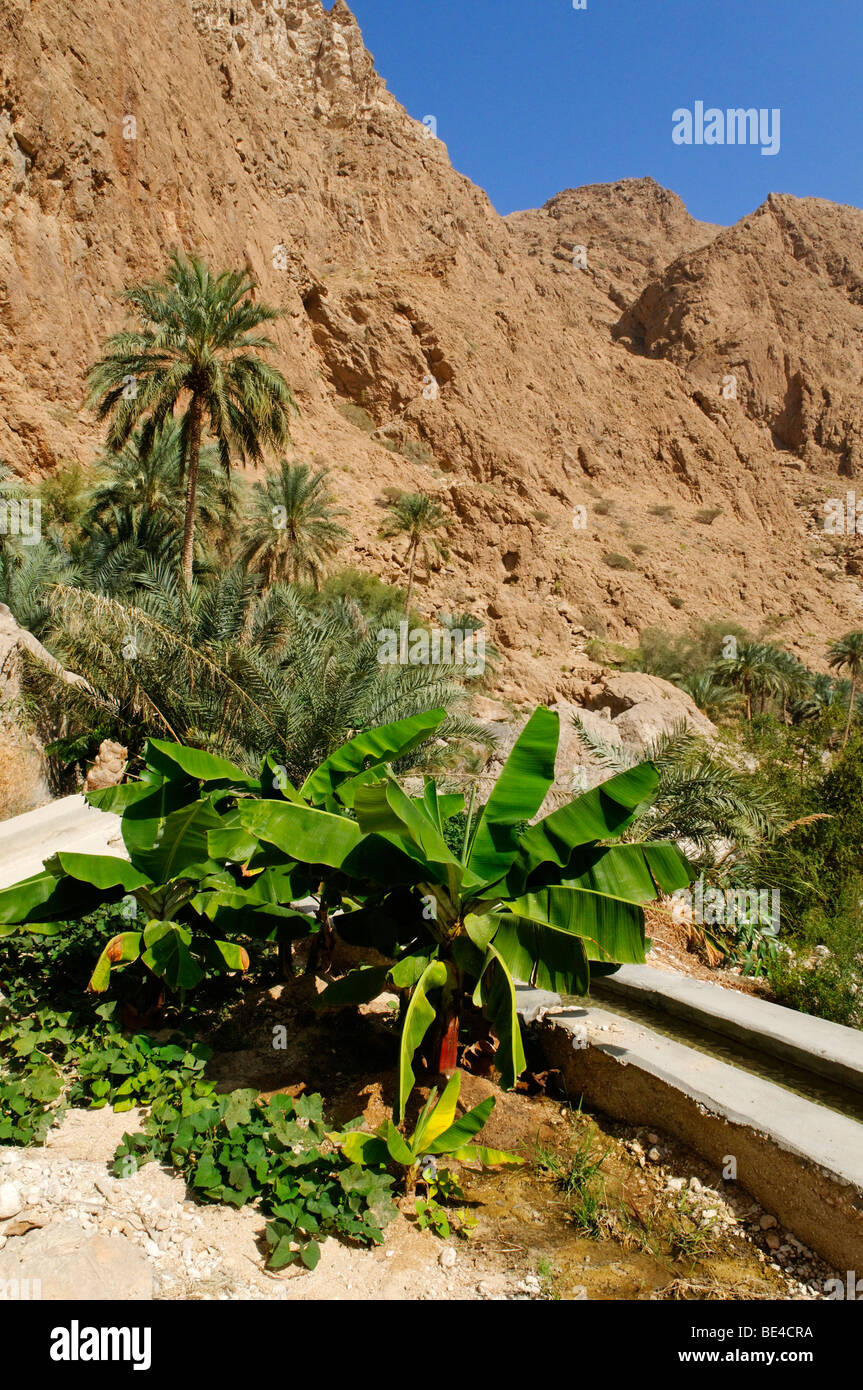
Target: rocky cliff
{"points": [[561, 378]]}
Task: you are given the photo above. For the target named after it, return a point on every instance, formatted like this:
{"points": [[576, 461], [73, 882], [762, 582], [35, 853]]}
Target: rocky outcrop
{"points": [[571, 419], [776, 304], [637, 702], [108, 768], [24, 773]]}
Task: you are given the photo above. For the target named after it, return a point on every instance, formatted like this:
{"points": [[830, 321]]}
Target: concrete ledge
{"points": [[69, 823], [801, 1161], [829, 1049]]}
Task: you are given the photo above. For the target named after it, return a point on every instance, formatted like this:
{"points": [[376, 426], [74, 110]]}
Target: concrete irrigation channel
{"points": [[766, 1094], [770, 1095]]}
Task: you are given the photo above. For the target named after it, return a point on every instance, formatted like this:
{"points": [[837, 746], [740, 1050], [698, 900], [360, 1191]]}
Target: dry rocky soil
{"points": [[669, 1226]]}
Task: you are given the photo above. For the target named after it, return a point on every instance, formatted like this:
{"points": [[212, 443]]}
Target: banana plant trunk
{"points": [[445, 1048]]}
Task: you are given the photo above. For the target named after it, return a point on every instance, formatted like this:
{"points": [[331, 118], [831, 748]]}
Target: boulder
{"points": [[65, 1264], [489, 711], [108, 767], [663, 705]]}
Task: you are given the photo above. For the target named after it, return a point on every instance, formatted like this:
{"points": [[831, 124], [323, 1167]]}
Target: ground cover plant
{"points": [[238, 1149]]}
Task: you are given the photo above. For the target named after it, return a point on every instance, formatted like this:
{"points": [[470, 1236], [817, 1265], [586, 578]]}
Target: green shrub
{"points": [[416, 451], [372, 595], [356, 415], [274, 1154], [826, 988], [617, 562], [673, 655]]}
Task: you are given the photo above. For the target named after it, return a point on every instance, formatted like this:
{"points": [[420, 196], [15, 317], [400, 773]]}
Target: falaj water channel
{"points": [[770, 1096]]}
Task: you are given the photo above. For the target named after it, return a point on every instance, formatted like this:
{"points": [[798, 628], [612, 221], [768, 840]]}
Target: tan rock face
{"points": [[776, 302], [632, 692], [108, 767], [571, 418]]}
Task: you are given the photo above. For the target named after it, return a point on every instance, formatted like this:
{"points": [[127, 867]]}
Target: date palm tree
{"points": [[822, 695], [145, 477], [847, 654], [195, 347], [292, 529], [418, 517], [745, 671], [223, 667]]}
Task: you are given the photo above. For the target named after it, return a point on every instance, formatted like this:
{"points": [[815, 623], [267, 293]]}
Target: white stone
{"points": [[10, 1200]]}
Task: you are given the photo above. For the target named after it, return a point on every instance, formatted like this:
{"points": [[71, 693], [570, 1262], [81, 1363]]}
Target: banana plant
{"points": [[197, 875], [438, 1133], [172, 887], [536, 904]]}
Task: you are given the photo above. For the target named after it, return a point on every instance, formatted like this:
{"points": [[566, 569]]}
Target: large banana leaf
{"points": [[383, 808], [611, 928], [370, 749], [637, 873], [419, 1016], [388, 814], [305, 833], [518, 794], [496, 992], [231, 842], [175, 761], [540, 955], [52, 896], [163, 841], [101, 870], [167, 954], [118, 799], [601, 814], [313, 836]]}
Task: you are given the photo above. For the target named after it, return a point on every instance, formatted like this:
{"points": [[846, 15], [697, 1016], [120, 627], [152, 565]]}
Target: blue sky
{"points": [[532, 96]]}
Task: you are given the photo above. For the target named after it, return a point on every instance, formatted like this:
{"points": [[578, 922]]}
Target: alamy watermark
{"points": [[21, 517], [445, 646], [852, 1289], [77, 1343], [735, 126], [729, 907], [844, 516]]}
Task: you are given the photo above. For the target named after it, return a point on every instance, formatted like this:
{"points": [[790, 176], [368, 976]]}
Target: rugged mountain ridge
{"points": [[433, 344]]}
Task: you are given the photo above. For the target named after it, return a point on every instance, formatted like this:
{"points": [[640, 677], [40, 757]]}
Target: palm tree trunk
{"points": [[196, 413], [746, 687], [850, 709], [411, 579]]}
